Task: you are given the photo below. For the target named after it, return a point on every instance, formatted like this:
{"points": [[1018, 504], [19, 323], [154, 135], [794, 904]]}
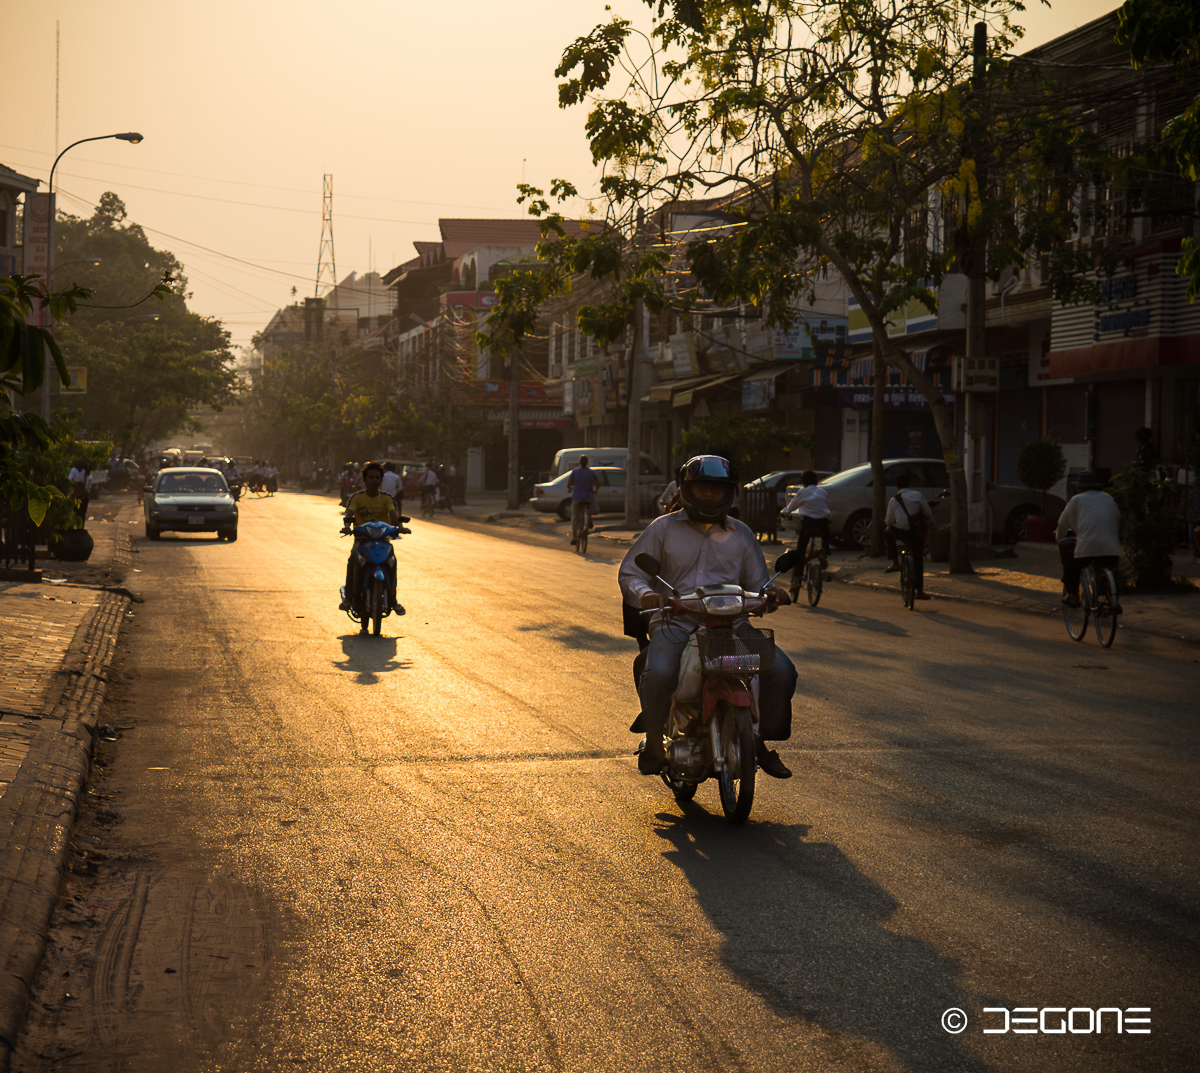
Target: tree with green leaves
{"points": [[1168, 31], [150, 363], [841, 136], [25, 437]]}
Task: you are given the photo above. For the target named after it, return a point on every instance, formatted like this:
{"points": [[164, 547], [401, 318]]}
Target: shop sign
{"points": [[894, 398]]}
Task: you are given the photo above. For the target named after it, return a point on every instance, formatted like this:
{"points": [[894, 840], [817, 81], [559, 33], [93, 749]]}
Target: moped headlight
{"points": [[727, 604]]}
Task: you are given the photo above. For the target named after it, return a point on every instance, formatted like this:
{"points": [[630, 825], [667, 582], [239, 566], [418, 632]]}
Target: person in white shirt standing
{"points": [[80, 479], [811, 506], [908, 517], [1096, 519], [391, 484]]}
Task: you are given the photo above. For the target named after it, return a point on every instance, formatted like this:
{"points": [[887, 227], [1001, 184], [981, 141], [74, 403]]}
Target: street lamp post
{"points": [[131, 137]]}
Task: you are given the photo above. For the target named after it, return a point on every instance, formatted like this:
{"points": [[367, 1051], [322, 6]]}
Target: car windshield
{"points": [[178, 483]]}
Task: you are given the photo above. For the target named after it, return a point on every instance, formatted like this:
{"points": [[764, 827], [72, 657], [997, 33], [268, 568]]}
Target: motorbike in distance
{"points": [[376, 571], [713, 724]]}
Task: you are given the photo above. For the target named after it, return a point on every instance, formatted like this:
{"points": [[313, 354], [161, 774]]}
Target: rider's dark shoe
{"points": [[652, 763], [1070, 601], [573, 542], [769, 762], [365, 631], [794, 593], [398, 609], [345, 605], [893, 569]]}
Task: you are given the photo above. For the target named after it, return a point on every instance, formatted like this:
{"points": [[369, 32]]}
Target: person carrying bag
{"points": [[901, 523]]}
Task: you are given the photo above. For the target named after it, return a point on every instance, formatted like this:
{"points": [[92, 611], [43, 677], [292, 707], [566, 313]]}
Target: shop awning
{"points": [[681, 392]]}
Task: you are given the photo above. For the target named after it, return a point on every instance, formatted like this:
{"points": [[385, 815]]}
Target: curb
{"points": [[37, 812]]}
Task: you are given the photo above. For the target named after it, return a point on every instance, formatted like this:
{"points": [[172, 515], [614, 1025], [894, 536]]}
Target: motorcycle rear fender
{"points": [[734, 690]]}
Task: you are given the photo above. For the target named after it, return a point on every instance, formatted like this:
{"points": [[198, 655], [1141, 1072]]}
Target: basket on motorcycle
{"points": [[737, 654]]}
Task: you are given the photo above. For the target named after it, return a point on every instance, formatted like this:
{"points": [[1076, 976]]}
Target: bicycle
{"points": [[1097, 600], [580, 523], [428, 501], [814, 574]]}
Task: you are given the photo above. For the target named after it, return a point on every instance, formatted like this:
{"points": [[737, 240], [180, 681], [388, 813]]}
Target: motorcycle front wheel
{"points": [[375, 605], [736, 777]]}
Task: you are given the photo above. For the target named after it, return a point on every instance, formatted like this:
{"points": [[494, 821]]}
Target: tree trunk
{"points": [[879, 483], [960, 562]]}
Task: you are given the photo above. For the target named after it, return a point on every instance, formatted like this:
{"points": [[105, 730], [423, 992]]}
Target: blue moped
{"points": [[376, 569]]}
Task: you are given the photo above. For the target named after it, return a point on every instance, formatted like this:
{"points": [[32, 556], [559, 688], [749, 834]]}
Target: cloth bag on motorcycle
{"points": [[687, 690]]}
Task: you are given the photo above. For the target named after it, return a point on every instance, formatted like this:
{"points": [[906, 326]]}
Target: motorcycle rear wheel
{"points": [[736, 779]]}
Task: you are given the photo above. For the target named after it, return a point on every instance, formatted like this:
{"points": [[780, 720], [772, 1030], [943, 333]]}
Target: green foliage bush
{"points": [[1040, 465], [1149, 527]]}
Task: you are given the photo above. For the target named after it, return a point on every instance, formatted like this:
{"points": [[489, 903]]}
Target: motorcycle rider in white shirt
{"points": [[701, 545]]}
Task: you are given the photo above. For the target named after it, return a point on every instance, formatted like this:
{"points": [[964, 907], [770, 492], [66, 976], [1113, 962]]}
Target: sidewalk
{"points": [[1028, 582], [56, 641]]}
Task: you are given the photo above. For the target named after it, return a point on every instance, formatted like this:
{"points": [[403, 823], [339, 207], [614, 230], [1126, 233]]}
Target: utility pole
{"points": [[976, 269], [633, 462]]}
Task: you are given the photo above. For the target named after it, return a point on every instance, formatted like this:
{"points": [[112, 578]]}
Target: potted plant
{"points": [[1040, 465], [69, 541]]}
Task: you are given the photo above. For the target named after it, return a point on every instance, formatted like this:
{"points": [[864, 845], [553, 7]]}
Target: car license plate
{"points": [[195, 519]]}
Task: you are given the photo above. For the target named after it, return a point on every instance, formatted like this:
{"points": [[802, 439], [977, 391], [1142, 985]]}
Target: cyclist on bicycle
{"points": [[582, 485], [811, 505], [1096, 519], [908, 517]]}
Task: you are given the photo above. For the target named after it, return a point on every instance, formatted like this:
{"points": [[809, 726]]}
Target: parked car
{"points": [[568, 458], [610, 495], [851, 494], [189, 499], [782, 482]]}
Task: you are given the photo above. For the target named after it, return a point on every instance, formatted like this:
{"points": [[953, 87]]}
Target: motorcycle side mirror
{"points": [[786, 561], [648, 564]]}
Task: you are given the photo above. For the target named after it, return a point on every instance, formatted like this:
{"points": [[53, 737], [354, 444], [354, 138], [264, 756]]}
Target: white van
{"points": [[567, 459]]}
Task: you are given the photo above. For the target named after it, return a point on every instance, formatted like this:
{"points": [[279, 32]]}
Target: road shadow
{"points": [[369, 657], [858, 622], [578, 637], [808, 932]]}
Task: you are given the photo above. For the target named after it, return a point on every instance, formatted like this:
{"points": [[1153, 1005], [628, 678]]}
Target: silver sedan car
{"points": [[190, 499], [851, 493]]}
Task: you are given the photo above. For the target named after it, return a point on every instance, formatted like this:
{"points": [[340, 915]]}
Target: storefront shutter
{"points": [[1120, 410]]}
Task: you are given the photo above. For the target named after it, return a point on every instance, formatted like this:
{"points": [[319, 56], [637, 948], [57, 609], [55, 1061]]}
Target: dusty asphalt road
{"points": [[432, 851]]}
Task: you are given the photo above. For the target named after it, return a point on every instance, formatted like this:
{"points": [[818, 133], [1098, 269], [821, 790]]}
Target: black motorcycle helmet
{"points": [[711, 469]]}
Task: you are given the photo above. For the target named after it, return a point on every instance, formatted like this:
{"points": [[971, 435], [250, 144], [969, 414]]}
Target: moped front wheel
{"points": [[736, 777], [375, 605]]}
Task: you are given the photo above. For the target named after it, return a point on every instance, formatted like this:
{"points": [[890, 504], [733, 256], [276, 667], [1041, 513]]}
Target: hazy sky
{"points": [[418, 110]]}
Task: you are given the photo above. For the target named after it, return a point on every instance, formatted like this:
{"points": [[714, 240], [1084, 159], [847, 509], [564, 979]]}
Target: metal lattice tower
{"points": [[326, 264]]}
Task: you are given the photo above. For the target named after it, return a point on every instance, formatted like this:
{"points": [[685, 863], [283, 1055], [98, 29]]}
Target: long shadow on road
{"points": [[807, 931]]}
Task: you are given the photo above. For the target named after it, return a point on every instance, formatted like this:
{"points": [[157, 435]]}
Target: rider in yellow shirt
{"points": [[369, 505]]}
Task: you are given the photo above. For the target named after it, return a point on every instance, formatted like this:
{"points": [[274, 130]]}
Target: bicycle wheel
{"points": [[581, 542], [1106, 615], [908, 588], [1075, 618], [812, 581]]}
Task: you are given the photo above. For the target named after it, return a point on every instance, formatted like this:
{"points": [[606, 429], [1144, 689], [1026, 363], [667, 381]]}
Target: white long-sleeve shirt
{"points": [[914, 503], [692, 555], [1096, 519], [811, 501]]}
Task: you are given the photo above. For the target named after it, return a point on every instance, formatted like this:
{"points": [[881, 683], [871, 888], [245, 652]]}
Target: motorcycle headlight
{"points": [[724, 605]]}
